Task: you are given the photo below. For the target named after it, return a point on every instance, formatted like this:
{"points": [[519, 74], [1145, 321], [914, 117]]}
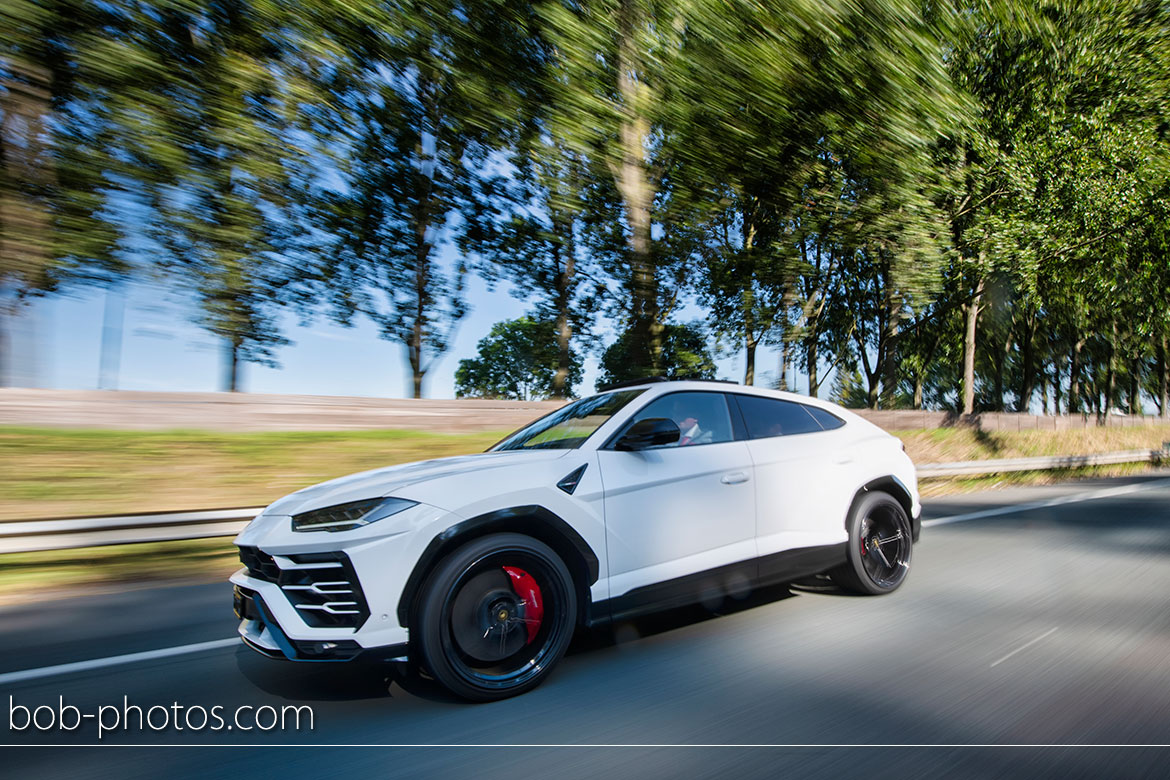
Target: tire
{"points": [[518, 593], [880, 547]]}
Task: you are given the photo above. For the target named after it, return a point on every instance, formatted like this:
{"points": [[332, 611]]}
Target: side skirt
{"points": [[735, 579]]}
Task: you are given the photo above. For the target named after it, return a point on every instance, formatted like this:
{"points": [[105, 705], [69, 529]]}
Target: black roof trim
{"points": [[648, 380]]}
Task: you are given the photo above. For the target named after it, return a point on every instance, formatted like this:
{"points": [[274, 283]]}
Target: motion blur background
{"points": [[957, 207], [951, 205]]}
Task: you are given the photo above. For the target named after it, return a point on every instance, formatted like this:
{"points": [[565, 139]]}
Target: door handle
{"points": [[843, 460], [734, 478]]}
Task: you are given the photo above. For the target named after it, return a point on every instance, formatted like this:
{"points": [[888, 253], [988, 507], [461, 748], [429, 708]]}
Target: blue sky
{"points": [[58, 345]]}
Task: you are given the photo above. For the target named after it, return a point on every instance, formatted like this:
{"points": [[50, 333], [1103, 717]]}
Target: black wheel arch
{"points": [[894, 487], [532, 520]]}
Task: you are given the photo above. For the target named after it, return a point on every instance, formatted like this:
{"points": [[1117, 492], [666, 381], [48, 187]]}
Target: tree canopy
{"points": [[961, 205]]}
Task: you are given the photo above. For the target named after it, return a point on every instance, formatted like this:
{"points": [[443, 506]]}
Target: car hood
{"points": [[386, 481]]}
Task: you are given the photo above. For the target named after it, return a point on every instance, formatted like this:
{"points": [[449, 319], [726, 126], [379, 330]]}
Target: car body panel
{"points": [[669, 511]]}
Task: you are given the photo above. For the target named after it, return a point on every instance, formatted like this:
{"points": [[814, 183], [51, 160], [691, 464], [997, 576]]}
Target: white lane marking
{"points": [[1090, 495], [129, 658], [1023, 647]]}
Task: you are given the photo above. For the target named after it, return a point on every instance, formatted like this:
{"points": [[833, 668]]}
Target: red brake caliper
{"points": [[529, 592]]}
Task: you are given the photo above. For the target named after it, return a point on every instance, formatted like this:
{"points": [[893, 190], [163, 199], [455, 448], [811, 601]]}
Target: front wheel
{"points": [[495, 616], [880, 546]]}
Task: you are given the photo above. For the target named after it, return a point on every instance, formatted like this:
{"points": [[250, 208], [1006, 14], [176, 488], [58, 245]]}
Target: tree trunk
{"points": [[1074, 377], [422, 216], [634, 187], [232, 366], [1164, 377], [1135, 393], [749, 373], [811, 367], [918, 382], [414, 346], [1028, 356], [785, 359], [1111, 372], [889, 348], [564, 285], [969, 350], [1000, 359]]}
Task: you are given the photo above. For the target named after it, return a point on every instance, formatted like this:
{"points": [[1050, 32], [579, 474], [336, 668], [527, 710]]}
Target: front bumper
{"points": [[262, 633], [323, 596]]}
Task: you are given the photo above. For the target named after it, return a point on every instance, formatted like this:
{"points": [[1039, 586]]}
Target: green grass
{"points": [[943, 445], [58, 473]]}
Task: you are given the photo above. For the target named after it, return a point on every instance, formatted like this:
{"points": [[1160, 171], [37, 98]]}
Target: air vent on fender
{"points": [[570, 482]]}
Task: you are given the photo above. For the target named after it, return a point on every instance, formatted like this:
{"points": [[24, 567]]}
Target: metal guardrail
{"points": [[78, 532], [1042, 463], [75, 532]]}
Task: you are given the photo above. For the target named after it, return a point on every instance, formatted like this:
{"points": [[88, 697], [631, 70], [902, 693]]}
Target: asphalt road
{"points": [[1022, 625]]}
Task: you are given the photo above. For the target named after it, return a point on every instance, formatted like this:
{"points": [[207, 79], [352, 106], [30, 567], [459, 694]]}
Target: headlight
{"points": [[346, 517]]}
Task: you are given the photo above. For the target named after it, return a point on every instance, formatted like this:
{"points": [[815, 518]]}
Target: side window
{"points": [[828, 420], [702, 418], [766, 417]]}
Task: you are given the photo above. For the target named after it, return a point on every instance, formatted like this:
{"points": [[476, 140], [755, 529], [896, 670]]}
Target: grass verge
{"points": [[62, 473]]}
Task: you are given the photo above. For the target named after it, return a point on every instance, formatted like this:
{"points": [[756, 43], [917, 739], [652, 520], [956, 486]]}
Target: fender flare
{"points": [[896, 488], [532, 520]]}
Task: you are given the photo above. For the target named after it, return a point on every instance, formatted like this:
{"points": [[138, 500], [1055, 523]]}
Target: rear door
{"points": [[802, 461]]}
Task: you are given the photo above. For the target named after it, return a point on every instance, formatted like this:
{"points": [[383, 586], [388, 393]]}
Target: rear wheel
{"points": [[495, 616], [880, 547]]}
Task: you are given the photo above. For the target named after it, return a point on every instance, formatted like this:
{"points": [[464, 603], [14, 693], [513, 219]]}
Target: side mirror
{"points": [[653, 432]]}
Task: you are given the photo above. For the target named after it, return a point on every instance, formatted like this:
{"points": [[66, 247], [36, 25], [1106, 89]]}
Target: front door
{"points": [[683, 508]]}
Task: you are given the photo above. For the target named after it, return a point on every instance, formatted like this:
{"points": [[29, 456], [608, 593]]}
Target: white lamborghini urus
{"points": [[647, 496]]}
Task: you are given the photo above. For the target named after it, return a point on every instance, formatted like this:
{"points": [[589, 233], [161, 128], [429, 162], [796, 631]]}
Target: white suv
{"points": [[647, 496]]}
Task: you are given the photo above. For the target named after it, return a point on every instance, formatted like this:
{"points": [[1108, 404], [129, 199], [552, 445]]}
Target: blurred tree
{"points": [[1063, 148], [549, 234], [685, 355], [421, 104], [789, 116], [65, 159], [612, 65], [518, 359], [849, 390]]}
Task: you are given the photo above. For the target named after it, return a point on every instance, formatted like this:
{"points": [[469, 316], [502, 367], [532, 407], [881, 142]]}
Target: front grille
{"points": [[322, 587], [259, 564]]}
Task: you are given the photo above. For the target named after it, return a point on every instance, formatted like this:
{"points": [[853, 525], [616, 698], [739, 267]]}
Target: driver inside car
{"points": [[690, 432]]}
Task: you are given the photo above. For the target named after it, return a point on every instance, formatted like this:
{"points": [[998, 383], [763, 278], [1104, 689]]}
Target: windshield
{"points": [[569, 426]]}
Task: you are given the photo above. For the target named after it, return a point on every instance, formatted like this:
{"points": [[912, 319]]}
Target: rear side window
{"points": [[828, 420], [767, 417]]}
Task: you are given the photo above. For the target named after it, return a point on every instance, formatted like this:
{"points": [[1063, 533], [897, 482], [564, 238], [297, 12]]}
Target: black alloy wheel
{"points": [[880, 546], [495, 616]]}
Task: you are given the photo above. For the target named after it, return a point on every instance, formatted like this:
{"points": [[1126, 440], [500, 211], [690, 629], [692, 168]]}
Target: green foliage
{"points": [[417, 102], [685, 355], [959, 203], [849, 390], [518, 359]]}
